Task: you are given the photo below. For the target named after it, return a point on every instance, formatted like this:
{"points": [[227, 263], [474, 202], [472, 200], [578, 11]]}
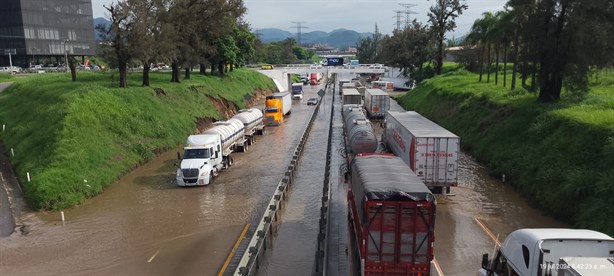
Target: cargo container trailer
{"points": [[428, 149], [392, 215], [377, 103]]}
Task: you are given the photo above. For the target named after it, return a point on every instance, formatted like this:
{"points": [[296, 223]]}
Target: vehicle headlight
{"points": [[179, 173], [203, 174]]}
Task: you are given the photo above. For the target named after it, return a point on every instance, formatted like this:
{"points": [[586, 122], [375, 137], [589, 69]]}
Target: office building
{"points": [[45, 29]]}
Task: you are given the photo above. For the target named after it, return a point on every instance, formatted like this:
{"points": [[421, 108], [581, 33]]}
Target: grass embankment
{"points": [[560, 156], [6, 77], [66, 133]]}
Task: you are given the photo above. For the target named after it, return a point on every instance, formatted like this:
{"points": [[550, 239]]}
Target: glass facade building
{"points": [[36, 28]]}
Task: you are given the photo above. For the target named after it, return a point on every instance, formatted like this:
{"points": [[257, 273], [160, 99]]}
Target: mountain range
{"points": [[336, 38]]}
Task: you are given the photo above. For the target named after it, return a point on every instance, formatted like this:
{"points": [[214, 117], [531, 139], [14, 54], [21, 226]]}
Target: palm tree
{"points": [[504, 29], [478, 36]]}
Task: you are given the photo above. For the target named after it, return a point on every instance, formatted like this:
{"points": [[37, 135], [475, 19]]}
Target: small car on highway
{"points": [[267, 67], [312, 101]]}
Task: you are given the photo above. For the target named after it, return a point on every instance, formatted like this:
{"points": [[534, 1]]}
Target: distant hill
{"points": [[337, 38], [103, 21]]}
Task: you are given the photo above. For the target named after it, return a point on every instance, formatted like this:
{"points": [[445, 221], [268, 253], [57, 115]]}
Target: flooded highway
{"points": [[294, 244], [144, 225]]}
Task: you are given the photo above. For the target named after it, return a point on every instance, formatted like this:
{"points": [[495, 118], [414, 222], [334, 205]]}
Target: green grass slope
{"points": [[75, 138], [560, 156]]}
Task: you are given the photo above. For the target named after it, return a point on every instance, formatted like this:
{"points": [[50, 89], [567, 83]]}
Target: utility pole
{"points": [[299, 29]]}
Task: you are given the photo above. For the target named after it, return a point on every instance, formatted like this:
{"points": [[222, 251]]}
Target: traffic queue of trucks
{"points": [[206, 154]]}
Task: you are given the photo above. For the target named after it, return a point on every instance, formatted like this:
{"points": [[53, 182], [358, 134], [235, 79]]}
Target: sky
{"points": [[357, 15]]}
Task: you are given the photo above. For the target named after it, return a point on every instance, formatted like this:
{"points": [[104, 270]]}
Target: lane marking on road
{"points": [[493, 237], [437, 267], [154, 256], [234, 248]]}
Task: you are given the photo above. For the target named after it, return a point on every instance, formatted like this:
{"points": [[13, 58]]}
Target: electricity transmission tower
{"points": [[299, 30], [407, 13]]}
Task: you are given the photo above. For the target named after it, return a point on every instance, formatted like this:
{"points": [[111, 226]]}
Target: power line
{"points": [[299, 30]]}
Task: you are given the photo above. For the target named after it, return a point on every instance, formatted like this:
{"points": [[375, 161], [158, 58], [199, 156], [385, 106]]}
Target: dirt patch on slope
{"points": [[257, 97]]}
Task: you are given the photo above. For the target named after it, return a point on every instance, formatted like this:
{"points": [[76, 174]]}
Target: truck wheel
{"points": [[245, 146], [253, 140], [262, 131], [211, 177], [230, 161]]}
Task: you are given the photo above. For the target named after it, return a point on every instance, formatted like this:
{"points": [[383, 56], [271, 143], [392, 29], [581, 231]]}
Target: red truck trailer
{"points": [[392, 214]]}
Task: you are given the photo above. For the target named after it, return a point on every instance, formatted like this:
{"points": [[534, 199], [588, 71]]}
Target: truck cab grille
{"points": [[190, 172]]}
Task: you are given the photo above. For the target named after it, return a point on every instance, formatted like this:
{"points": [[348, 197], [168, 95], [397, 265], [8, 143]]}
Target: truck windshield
{"points": [[270, 110], [196, 154]]}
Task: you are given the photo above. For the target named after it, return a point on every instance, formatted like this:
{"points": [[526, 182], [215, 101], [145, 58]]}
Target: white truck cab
{"points": [[202, 160], [537, 252]]}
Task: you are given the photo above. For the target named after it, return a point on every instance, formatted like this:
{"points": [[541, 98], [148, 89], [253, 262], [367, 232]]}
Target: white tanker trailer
{"points": [[252, 121], [358, 130]]}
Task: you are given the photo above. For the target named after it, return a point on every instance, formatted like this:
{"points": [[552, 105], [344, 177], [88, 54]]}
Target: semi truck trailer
{"points": [[351, 96], [377, 103], [252, 120], [206, 154], [297, 91], [358, 130], [427, 148], [277, 105], [392, 215]]}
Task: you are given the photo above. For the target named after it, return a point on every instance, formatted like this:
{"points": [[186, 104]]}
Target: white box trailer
{"points": [[428, 149], [377, 103], [351, 96], [347, 85]]}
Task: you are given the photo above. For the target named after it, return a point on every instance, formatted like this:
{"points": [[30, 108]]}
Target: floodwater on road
{"points": [[144, 224], [479, 204], [293, 248]]}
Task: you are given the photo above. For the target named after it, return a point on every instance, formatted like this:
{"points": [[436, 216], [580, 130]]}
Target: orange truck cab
{"points": [[276, 106]]}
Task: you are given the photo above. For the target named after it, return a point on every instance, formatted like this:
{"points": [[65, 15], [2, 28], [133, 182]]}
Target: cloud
{"points": [[327, 15]]}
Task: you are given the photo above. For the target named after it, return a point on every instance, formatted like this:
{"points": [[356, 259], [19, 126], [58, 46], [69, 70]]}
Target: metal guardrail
{"points": [[250, 260], [322, 249]]}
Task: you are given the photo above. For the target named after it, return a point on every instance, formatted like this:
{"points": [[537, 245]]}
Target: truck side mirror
{"points": [[485, 261], [178, 156]]}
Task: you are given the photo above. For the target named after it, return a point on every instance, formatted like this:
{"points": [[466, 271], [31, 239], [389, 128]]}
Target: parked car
{"points": [[312, 101], [10, 70]]}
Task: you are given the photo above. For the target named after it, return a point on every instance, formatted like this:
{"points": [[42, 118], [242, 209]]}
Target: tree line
{"points": [[551, 45], [187, 34], [183, 33]]}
